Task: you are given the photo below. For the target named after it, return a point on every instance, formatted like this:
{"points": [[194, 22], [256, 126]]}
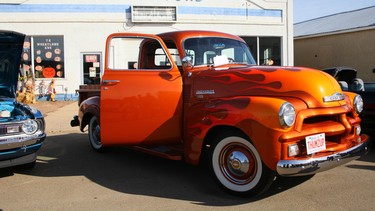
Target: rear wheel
{"points": [[94, 134], [237, 166]]}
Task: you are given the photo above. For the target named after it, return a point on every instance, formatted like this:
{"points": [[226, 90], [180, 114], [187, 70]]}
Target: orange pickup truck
{"points": [[198, 96]]}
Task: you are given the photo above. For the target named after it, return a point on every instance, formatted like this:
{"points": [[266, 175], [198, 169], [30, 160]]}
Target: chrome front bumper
{"points": [[315, 165], [20, 149], [18, 161]]}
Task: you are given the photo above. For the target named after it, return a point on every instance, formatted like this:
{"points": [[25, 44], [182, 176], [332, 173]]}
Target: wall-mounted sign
{"points": [[48, 56]]}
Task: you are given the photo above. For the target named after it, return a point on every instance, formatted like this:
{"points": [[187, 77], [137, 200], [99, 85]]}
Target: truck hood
{"points": [[314, 87], [11, 44]]}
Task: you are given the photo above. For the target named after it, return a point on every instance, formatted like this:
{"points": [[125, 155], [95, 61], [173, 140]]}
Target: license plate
{"points": [[315, 143]]}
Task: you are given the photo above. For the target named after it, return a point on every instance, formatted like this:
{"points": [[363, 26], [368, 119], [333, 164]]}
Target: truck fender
{"points": [[88, 108], [256, 117]]}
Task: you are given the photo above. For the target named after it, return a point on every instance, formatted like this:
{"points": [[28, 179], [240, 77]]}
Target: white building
{"points": [[65, 39]]}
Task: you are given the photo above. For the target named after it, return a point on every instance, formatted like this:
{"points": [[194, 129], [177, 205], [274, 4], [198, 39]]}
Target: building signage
{"points": [[48, 56]]}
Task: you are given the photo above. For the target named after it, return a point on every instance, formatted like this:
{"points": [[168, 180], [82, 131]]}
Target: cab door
{"points": [[141, 92]]}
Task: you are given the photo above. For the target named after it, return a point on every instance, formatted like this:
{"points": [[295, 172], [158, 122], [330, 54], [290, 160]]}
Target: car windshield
{"points": [[217, 51]]}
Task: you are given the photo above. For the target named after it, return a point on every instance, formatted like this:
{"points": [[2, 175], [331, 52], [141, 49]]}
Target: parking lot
{"points": [[69, 175]]}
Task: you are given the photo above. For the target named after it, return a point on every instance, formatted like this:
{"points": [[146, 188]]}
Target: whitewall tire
{"points": [[94, 134], [237, 166]]}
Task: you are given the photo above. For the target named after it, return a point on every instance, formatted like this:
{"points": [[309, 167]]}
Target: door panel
{"points": [[140, 106]]}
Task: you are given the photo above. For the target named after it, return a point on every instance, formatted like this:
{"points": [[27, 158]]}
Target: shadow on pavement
{"points": [[132, 172], [370, 157]]}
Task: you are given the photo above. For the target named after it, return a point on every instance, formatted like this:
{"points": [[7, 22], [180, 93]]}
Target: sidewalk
{"points": [[59, 121]]}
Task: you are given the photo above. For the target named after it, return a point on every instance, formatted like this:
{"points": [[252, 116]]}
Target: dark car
{"points": [[21, 126], [348, 80]]}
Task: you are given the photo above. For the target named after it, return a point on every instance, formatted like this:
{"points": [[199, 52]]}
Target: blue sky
{"points": [[309, 9]]}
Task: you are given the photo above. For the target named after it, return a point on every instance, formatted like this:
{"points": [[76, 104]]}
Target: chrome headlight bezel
{"points": [[30, 126], [287, 115], [358, 104]]}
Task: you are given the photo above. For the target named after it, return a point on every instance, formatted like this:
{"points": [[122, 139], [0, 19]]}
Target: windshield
{"points": [[217, 51]]}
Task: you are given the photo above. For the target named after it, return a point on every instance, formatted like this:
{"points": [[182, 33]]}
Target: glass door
{"points": [[91, 65]]}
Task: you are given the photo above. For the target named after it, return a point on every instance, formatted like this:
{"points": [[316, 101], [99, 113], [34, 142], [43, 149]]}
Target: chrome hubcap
{"points": [[238, 164]]}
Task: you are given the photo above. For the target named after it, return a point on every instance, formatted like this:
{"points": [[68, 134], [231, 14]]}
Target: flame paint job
{"points": [[250, 100]]}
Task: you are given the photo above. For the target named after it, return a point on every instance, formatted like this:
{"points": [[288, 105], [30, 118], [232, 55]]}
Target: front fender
{"points": [[87, 109], [257, 117]]}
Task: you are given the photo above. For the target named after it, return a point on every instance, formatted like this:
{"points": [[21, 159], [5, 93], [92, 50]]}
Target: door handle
{"points": [[110, 82]]}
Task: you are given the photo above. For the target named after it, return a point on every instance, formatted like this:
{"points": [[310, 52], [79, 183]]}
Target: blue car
{"points": [[21, 126]]}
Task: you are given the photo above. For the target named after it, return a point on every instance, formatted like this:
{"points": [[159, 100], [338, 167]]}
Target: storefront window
{"points": [[48, 56], [253, 45], [265, 50], [270, 50]]}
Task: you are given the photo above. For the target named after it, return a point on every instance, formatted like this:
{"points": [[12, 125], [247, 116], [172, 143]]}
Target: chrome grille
{"points": [[10, 129]]}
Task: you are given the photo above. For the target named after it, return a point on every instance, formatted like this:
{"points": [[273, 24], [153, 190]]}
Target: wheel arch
{"points": [[262, 137], [88, 112], [214, 132]]}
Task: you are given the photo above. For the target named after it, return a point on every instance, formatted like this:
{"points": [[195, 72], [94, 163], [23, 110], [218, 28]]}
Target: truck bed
{"points": [[86, 91]]}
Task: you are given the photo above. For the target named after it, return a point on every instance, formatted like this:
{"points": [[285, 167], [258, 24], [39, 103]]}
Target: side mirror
{"points": [[373, 70], [187, 62]]}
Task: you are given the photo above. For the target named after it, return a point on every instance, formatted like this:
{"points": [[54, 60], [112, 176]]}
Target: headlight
{"points": [[358, 104], [30, 126], [287, 115]]}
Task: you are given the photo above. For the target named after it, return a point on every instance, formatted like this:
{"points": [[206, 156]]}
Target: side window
{"points": [[172, 50], [175, 55], [161, 59], [132, 53]]}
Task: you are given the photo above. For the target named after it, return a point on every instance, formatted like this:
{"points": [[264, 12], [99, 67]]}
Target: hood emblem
{"points": [[335, 97]]}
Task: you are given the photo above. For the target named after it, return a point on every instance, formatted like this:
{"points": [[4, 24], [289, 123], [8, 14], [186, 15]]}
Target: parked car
{"points": [[21, 126], [348, 80]]}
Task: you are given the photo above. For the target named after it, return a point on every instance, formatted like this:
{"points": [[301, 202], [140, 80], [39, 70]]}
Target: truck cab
{"points": [[198, 96]]}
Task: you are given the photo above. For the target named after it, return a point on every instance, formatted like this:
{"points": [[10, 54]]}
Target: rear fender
{"points": [[88, 108]]}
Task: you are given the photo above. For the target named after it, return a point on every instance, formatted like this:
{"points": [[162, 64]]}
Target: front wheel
{"points": [[94, 134], [237, 167]]}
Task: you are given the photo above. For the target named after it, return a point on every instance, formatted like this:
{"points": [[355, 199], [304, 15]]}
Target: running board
{"points": [[168, 152]]}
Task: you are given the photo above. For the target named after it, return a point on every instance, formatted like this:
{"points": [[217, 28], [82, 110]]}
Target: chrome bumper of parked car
{"points": [[21, 140], [315, 165], [18, 161], [20, 149]]}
